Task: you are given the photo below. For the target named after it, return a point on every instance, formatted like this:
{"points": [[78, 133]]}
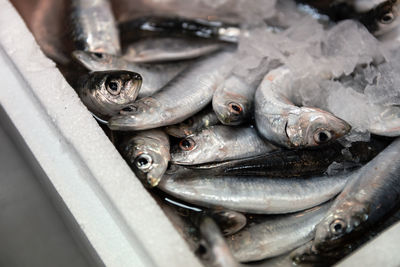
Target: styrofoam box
{"points": [[107, 210]]}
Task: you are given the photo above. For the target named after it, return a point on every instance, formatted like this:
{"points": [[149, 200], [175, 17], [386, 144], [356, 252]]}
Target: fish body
{"points": [[229, 221], [271, 236], [94, 26], [105, 92], [261, 195], [195, 124], [372, 192], [155, 76], [183, 97], [147, 152], [219, 143], [285, 124]]}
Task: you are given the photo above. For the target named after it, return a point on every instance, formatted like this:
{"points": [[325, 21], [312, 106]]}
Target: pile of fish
{"points": [[276, 130]]}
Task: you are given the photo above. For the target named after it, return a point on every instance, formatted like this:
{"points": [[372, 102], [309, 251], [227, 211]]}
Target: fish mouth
{"points": [[122, 122]]}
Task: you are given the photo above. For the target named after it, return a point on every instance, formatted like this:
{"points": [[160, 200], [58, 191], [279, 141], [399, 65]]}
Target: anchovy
{"points": [[183, 97], [195, 124], [176, 26], [262, 195], [154, 76], [229, 221], [147, 153], [370, 194], [168, 49], [233, 99], [271, 236], [94, 27], [219, 143], [106, 92], [291, 163], [283, 123]]}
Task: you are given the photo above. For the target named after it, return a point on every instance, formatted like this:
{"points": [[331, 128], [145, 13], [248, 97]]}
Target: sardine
{"points": [[94, 27], [271, 236], [262, 195], [105, 92], [219, 143], [154, 76], [195, 124], [183, 97], [168, 49], [147, 153], [370, 194], [233, 99], [283, 123], [177, 26]]}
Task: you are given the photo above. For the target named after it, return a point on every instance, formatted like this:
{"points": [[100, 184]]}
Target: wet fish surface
{"points": [[155, 76], [177, 26], [152, 50], [195, 124], [95, 29], [270, 236], [371, 193], [106, 92], [183, 97], [147, 152], [261, 195], [283, 123], [219, 143]]}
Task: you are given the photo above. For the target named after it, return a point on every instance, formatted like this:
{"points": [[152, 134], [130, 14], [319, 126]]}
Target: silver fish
{"points": [[217, 251], [166, 49], [147, 152], [372, 192], [283, 123], [233, 99], [94, 25], [229, 221], [154, 76], [219, 143], [262, 195], [195, 124], [272, 236], [183, 97], [105, 92]]}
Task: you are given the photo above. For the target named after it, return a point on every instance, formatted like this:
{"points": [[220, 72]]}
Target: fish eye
{"points": [[113, 87], [128, 109], [387, 18], [187, 144], [322, 136], [338, 227], [235, 108], [144, 162], [98, 55]]}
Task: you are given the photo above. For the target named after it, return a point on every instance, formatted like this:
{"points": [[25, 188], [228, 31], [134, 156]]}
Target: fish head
{"points": [[307, 127], [148, 158], [95, 61], [340, 222], [383, 18], [182, 129], [140, 115], [115, 88], [187, 151]]}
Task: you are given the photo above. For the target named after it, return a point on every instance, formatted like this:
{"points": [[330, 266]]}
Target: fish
{"points": [[369, 195], [229, 221], [165, 49], [285, 124], [195, 124], [147, 153], [183, 97], [215, 249], [270, 236], [105, 92], [233, 100], [259, 195], [148, 26], [155, 76], [219, 143], [94, 27]]}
